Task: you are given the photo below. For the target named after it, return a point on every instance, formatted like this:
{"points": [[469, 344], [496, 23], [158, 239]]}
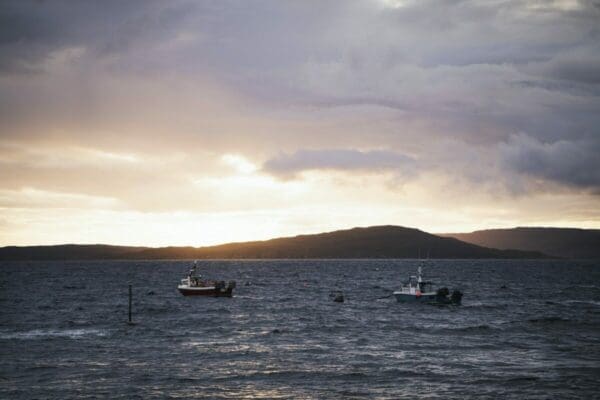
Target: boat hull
{"points": [[425, 298], [206, 291], [411, 298]]}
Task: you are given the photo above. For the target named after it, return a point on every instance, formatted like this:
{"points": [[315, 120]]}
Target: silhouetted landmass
{"points": [[373, 242], [68, 252], [558, 242]]}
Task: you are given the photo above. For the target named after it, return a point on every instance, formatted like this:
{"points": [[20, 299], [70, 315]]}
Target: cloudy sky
{"points": [[202, 122]]}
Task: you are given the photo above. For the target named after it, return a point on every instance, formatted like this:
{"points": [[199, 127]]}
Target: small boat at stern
{"points": [[417, 290], [195, 285]]}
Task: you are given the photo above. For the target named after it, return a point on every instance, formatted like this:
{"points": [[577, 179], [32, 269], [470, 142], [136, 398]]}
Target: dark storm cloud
{"points": [[582, 66], [474, 72], [573, 163], [288, 165], [31, 30]]}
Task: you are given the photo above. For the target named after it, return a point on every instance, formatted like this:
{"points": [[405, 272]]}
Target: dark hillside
{"points": [[372, 242], [66, 252], [558, 242]]}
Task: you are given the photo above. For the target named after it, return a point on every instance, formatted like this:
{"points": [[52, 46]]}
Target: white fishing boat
{"points": [[195, 285], [417, 290]]}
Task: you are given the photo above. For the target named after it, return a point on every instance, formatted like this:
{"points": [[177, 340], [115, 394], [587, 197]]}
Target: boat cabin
{"points": [[416, 286]]}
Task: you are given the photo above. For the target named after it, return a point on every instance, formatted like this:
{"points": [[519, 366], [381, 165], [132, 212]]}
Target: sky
{"points": [[203, 122]]}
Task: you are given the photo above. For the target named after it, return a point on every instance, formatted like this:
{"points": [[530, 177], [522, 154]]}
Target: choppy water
{"points": [[63, 331]]}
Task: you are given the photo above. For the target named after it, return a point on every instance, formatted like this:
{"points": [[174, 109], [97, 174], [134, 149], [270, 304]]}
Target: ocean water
{"points": [[526, 329]]}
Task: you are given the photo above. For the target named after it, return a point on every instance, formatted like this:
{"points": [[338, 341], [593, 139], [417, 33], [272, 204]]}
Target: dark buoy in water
{"points": [[339, 297]]}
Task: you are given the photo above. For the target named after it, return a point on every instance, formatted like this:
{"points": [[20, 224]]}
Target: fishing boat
{"points": [[417, 290], [195, 285]]}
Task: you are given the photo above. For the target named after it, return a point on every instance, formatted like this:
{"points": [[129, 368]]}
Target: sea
{"points": [[527, 329]]}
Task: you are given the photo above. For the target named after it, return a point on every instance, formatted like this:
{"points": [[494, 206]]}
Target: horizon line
{"points": [[292, 236]]}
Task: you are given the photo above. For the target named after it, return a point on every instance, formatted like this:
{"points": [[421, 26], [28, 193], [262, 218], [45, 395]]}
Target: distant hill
{"points": [[372, 242], [68, 252], [558, 242]]}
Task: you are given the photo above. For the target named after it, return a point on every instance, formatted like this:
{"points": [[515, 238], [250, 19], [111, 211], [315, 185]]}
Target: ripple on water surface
{"points": [[526, 330]]}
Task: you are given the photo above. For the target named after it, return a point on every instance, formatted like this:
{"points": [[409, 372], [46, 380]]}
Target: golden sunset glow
{"points": [[209, 125]]}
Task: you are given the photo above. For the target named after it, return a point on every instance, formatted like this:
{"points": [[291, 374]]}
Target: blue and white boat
{"points": [[418, 290]]}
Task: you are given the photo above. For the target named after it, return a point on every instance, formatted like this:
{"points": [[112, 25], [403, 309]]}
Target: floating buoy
{"points": [[337, 296]]}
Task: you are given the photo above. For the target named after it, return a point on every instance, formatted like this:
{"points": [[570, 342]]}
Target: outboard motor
{"points": [[456, 296], [441, 296], [231, 285]]}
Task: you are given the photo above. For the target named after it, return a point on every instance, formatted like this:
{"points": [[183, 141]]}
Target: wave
{"points": [[485, 306], [472, 328], [523, 379], [300, 374], [157, 310], [548, 320], [590, 302], [38, 334], [577, 287]]}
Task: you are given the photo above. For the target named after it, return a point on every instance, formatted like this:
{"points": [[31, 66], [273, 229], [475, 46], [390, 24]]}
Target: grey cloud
{"points": [[473, 71], [582, 66], [288, 165], [256, 37], [571, 163], [32, 30]]}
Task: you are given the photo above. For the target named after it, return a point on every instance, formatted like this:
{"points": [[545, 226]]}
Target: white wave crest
{"points": [[47, 333]]}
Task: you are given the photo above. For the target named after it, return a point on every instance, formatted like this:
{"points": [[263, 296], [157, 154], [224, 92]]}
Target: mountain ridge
{"points": [[384, 241], [556, 242]]}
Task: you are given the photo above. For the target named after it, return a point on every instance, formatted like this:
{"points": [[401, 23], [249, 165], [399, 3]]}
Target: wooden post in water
{"points": [[130, 304]]}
